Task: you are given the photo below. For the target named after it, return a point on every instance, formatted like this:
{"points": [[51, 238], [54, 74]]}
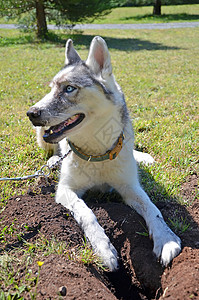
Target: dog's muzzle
{"points": [[34, 115]]}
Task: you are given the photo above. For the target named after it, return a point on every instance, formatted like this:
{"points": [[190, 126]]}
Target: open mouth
{"points": [[53, 134]]}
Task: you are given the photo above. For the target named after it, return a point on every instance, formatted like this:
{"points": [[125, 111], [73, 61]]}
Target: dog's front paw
{"points": [[143, 158], [166, 247], [169, 251], [53, 161], [108, 254]]}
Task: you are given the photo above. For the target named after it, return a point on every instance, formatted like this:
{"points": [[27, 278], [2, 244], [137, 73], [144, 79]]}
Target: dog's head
{"points": [[80, 93]]}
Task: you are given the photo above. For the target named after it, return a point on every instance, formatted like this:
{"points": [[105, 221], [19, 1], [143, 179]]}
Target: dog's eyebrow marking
{"points": [[81, 80], [79, 75], [57, 79]]}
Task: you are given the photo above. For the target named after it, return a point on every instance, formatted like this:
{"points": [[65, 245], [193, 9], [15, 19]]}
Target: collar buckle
{"points": [[115, 151]]}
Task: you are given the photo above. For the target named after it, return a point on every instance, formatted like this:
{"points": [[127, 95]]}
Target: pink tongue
{"points": [[66, 123]]}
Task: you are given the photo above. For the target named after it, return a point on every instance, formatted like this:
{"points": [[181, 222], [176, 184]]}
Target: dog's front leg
{"points": [[166, 244], [88, 222]]}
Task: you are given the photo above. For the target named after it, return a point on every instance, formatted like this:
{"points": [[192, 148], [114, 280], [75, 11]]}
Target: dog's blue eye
{"points": [[69, 89]]}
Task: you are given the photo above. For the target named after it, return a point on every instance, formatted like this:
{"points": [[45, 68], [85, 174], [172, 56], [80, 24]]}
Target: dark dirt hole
{"points": [[140, 275]]}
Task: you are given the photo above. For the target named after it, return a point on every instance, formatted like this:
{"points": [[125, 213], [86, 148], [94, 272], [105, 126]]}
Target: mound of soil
{"points": [[140, 276]]}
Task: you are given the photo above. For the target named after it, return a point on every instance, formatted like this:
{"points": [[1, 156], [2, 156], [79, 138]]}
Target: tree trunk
{"points": [[157, 8], [42, 29]]}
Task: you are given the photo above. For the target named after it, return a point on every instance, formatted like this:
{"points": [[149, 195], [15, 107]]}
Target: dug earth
{"points": [[140, 276]]}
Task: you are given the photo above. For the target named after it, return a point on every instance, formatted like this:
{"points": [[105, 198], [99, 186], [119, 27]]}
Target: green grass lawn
{"points": [[158, 73], [126, 15], [176, 13]]}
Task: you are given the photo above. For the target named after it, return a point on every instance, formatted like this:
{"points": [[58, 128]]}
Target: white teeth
{"points": [[70, 120]]}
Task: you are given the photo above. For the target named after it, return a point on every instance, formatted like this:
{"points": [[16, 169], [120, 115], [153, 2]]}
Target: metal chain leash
{"points": [[44, 171]]}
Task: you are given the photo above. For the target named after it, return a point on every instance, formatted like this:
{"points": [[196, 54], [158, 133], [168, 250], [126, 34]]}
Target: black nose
{"points": [[33, 113]]}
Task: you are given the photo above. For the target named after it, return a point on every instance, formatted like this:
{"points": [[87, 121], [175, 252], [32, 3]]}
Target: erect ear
{"points": [[71, 55], [99, 60]]}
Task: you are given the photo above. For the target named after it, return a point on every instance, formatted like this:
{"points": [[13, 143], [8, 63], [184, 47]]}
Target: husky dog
{"points": [[85, 112]]}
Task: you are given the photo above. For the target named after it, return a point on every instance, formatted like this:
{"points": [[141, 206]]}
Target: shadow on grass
{"points": [[83, 41], [163, 18], [31, 39]]}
